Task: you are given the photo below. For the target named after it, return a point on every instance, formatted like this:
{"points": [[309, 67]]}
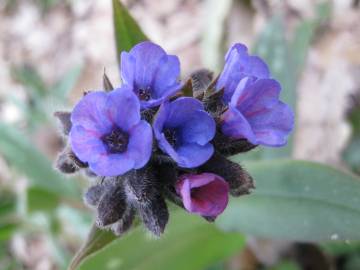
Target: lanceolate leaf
{"points": [[97, 239], [297, 200], [127, 31], [189, 243]]}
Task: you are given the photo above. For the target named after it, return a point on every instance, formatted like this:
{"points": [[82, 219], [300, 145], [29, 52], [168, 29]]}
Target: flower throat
{"points": [[116, 141]]}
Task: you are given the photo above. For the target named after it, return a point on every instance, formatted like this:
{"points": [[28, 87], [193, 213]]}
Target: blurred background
{"points": [[51, 51]]}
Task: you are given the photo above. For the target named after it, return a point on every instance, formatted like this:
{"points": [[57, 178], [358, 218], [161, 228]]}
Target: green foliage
{"points": [[38, 107], [61, 90], [25, 158], [297, 200], [341, 248], [39, 199], [47, 189], [8, 217], [351, 153], [127, 31], [189, 243], [96, 240], [213, 39], [286, 265]]}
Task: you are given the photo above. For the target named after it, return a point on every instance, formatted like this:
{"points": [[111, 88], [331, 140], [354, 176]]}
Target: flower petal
{"points": [[166, 147], [123, 108], [166, 77], [86, 144], [249, 98], [193, 155], [160, 119], [182, 109], [204, 194], [127, 67], [90, 112], [170, 91], [140, 144], [239, 64], [235, 125], [147, 57], [272, 126], [200, 128], [112, 164], [158, 127]]}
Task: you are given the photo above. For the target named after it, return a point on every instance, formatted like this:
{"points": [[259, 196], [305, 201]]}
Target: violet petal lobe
{"points": [[204, 194], [140, 144], [194, 127], [184, 131], [182, 109], [86, 144], [239, 64], [112, 165], [89, 112], [151, 73], [192, 155], [123, 100]]}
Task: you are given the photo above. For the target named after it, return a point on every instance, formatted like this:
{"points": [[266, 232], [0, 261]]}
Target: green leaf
{"points": [[274, 49], [127, 31], [351, 154], [26, 159], [7, 204], [29, 77], [189, 243], [214, 35], [41, 200], [63, 87], [341, 248], [304, 34], [8, 216], [286, 265], [97, 240], [297, 200], [7, 230]]}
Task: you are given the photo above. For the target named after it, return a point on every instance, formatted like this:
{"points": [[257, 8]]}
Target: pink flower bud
{"points": [[204, 194]]}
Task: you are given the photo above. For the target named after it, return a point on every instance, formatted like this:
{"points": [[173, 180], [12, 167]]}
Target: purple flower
{"points": [[183, 130], [108, 134], [204, 194], [151, 73], [238, 65], [256, 114]]}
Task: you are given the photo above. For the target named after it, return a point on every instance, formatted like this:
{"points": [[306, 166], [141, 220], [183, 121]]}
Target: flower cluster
{"points": [[154, 138]]}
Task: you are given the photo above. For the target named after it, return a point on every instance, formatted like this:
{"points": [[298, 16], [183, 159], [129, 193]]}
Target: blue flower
{"points": [[183, 130], [238, 65], [108, 134], [255, 113], [254, 110], [151, 73]]}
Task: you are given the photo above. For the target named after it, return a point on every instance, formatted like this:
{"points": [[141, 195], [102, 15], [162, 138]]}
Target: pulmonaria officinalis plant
{"points": [[110, 136]]}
